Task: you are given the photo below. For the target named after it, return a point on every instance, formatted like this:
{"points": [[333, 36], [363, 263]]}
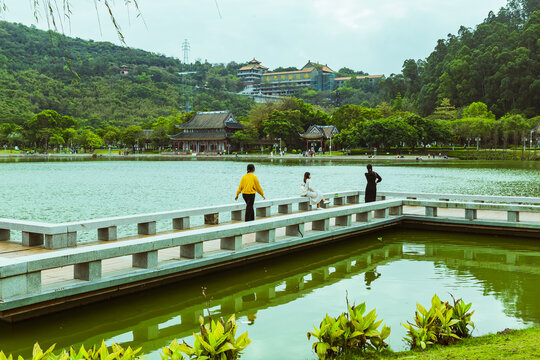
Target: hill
{"points": [[41, 70]]}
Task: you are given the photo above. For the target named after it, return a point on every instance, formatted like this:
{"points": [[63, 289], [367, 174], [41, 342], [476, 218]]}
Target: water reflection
{"points": [[501, 279]]}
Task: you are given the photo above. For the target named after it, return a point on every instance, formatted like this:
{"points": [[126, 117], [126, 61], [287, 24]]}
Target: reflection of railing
{"points": [[62, 235]]}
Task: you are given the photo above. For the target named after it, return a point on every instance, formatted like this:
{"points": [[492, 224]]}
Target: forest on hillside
{"points": [[481, 83]]}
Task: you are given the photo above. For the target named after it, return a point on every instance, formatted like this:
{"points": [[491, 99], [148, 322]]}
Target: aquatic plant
{"points": [[349, 332], [116, 352], [442, 324]]}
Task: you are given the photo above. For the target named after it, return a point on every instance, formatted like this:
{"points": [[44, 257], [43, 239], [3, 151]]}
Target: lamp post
{"points": [[530, 139], [5, 149], [477, 142], [280, 146], [331, 145], [524, 143], [109, 149], [60, 148]]}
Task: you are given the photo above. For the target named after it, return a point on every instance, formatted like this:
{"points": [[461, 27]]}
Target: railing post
{"points": [[107, 234], [396, 210], [20, 285], [431, 211], [379, 198], [285, 209], [60, 241], [238, 215], [471, 214], [32, 239], [147, 228], [339, 200], [344, 220], [321, 225], [353, 199], [363, 216], [145, 260], [181, 223], [89, 271], [266, 236], [304, 206], [381, 214], [263, 211], [5, 234], [231, 243], [512, 216], [211, 219], [295, 230], [192, 251]]}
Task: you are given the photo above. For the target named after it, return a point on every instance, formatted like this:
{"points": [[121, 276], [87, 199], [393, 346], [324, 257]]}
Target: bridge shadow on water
{"points": [[509, 268]]}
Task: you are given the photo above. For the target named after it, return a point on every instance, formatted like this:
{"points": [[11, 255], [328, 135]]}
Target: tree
{"points": [[284, 125], [88, 140], [478, 110], [131, 135]]}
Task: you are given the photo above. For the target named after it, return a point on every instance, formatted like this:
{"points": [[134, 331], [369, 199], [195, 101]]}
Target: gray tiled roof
{"points": [[199, 136], [212, 120]]}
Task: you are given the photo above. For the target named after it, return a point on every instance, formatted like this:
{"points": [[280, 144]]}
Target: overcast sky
{"points": [[375, 36]]}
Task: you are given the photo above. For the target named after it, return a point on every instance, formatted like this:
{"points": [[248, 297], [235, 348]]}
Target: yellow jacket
{"points": [[249, 184]]}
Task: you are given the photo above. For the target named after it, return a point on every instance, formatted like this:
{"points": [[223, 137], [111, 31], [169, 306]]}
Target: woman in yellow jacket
{"points": [[249, 185]]}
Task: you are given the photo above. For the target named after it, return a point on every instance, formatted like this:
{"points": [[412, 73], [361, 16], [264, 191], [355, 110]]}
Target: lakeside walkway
{"points": [[48, 269]]}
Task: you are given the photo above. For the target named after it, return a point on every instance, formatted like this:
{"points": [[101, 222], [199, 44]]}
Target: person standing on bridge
{"points": [[372, 180], [249, 185]]}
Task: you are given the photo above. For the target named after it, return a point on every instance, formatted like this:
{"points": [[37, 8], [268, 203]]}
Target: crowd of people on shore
{"points": [[249, 186]]}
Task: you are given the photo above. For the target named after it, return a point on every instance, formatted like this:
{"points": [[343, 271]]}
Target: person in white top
{"points": [[315, 196]]}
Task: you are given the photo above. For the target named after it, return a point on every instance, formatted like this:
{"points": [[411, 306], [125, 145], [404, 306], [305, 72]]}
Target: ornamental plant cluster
{"points": [[442, 324], [350, 332]]}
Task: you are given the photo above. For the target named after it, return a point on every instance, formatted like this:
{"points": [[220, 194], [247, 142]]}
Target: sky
{"points": [[374, 36]]}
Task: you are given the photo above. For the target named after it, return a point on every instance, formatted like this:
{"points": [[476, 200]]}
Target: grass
{"points": [[508, 345]]}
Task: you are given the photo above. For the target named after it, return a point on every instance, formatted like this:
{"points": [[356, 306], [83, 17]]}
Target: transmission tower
{"points": [[185, 49]]}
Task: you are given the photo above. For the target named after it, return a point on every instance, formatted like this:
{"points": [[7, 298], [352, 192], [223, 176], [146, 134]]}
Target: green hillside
{"points": [[82, 79]]}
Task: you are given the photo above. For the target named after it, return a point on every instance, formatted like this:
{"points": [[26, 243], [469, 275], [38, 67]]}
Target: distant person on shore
{"points": [[372, 180], [315, 196], [249, 185]]}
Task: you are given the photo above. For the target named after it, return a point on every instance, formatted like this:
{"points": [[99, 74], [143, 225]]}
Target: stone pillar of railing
{"points": [[60, 241], [145, 260], [363, 216], [263, 211], [295, 230], [431, 211], [339, 200], [396, 210], [471, 214], [192, 251], [344, 220], [32, 239], [107, 233], [304, 206], [266, 236], [211, 219], [5, 235], [146, 228], [381, 213], [231, 243], [181, 223], [512, 216], [89, 271], [321, 225], [285, 209], [353, 199], [18, 285], [238, 215]]}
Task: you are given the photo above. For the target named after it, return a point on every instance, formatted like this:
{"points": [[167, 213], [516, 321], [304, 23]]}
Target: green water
{"points": [[277, 301]]}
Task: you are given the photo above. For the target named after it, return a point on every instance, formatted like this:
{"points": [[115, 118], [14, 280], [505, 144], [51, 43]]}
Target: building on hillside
{"points": [[124, 70], [312, 75], [316, 136], [207, 132], [340, 81], [251, 73]]}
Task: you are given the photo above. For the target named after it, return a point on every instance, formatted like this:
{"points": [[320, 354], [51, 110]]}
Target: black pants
{"points": [[249, 199]]}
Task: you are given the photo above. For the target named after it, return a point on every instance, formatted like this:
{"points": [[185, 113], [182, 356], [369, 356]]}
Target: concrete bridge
{"points": [[49, 270]]}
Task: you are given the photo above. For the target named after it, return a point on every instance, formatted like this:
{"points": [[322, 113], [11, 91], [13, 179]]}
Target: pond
{"points": [[279, 300]]}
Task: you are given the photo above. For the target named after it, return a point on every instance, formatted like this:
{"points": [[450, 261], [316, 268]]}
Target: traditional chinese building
{"points": [[207, 132], [251, 73], [312, 75], [316, 135]]}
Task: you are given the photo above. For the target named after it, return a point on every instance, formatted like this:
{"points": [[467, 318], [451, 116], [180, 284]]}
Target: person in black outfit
{"points": [[372, 180]]}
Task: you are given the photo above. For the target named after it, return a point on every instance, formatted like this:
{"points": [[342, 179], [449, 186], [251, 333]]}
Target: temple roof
{"points": [[199, 136], [320, 131], [212, 120]]}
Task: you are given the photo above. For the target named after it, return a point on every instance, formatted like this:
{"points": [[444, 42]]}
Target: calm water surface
{"points": [[277, 301]]}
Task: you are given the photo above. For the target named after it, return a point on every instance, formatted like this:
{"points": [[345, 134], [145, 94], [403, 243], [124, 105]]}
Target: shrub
{"points": [[116, 352], [216, 341], [442, 324], [349, 332]]}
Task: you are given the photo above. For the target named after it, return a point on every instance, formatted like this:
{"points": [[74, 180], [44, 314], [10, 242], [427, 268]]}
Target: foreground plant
{"points": [[349, 332], [442, 324], [217, 341], [116, 352]]}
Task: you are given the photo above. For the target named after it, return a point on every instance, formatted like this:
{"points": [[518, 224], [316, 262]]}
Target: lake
{"points": [[279, 300]]}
